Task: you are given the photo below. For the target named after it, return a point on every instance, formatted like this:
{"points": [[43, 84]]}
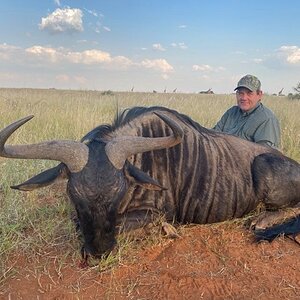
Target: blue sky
{"points": [[149, 45]]}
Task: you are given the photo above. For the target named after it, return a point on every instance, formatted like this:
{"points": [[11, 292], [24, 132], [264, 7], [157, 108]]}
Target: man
{"points": [[250, 119]]}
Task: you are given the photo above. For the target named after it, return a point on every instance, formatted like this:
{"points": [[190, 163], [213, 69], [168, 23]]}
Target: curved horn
{"points": [[120, 148], [71, 153]]}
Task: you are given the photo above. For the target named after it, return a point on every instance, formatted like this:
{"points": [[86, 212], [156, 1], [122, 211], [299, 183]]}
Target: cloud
{"points": [[158, 47], [7, 51], [179, 45], [283, 58], [57, 2], [5, 47], [44, 53], [182, 46], [291, 54], [91, 12], [258, 60], [98, 27], [238, 52], [81, 41], [61, 58], [182, 26], [207, 68], [157, 64], [165, 76], [64, 78], [86, 57], [91, 57], [94, 57], [202, 68], [106, 28], [63, 20], [80, 79]]}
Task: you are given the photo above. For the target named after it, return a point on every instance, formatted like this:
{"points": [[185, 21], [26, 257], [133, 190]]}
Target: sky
{"points": [[141, 45]]}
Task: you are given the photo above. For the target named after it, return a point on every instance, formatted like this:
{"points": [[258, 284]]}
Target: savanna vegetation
{"points": [[33, 224], [296, 95]]}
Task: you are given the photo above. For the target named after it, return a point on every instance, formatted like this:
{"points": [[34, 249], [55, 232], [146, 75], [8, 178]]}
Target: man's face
{"points": [[246, 99]]}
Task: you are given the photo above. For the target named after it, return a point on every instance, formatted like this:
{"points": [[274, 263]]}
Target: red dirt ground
{"points": [[206, 262]]}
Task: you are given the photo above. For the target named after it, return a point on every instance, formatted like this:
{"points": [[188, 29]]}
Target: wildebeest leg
{"points": [[134, 219], [75, 219], [276, 181], [145, 219], [271, 218]]}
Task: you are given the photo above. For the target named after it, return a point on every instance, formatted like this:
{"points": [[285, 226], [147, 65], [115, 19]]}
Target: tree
{"points": [[297, 88], [297, 94]]}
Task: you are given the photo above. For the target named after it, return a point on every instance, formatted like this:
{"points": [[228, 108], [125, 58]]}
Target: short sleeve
{"points": [[268, 133]]}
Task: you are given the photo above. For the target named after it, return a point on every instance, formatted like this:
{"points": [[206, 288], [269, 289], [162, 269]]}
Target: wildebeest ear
{"points": [[43, 179], [141, 178]]}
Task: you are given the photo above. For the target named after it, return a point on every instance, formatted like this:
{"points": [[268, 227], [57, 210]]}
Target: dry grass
{"points": [[33, 222]]}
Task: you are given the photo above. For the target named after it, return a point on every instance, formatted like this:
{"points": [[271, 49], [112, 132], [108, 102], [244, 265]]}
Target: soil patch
{"points": [[207, 262]]}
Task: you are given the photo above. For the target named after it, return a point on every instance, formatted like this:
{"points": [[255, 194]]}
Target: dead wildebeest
{"points": [[156, 161]]}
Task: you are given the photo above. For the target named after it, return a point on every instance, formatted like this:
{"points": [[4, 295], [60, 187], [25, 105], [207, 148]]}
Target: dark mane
{"points": [[131, 113], [97, 133]]}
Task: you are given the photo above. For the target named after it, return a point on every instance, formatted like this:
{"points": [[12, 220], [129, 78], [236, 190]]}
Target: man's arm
{"points": [[268, 133]]}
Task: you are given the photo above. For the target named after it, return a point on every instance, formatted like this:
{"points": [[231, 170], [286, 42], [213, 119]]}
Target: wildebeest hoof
{"points": [[84, 258], [270, 218], [170, 230], [259, 222]]}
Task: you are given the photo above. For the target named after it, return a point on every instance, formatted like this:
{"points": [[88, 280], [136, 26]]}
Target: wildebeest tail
{"points": [[291, 227]]}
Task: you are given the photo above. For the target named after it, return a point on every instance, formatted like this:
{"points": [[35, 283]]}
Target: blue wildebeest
{"points": [[156, 161]]}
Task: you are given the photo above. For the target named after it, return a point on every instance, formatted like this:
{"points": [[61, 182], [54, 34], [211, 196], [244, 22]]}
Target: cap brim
{"points": [[244, 86]]}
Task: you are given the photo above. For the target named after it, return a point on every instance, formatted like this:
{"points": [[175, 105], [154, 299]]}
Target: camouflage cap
{"points": [[250, 82]]}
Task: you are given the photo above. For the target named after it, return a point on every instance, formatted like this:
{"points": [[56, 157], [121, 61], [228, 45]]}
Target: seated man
{"points": [[250, 119]]}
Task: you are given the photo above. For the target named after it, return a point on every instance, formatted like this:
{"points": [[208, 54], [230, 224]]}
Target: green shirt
{"points": [[258, 125]]}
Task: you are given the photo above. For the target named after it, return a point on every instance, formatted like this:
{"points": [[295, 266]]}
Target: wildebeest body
{"points": [[207, 177]]}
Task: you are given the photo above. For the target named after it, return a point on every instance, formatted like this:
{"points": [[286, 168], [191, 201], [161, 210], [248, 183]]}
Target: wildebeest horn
{"points": [[73, 154], [120, 148]]}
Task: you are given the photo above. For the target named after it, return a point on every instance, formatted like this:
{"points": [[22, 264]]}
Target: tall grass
{"points": [[35, 221]]}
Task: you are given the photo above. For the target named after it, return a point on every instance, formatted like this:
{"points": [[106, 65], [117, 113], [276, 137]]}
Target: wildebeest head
{"points": [[98, 174]]}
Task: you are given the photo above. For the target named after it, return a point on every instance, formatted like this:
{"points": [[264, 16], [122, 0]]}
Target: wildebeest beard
{"points": [[98, 231]]}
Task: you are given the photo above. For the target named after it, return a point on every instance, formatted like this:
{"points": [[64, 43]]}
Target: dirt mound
{"points": [[208, 262]]}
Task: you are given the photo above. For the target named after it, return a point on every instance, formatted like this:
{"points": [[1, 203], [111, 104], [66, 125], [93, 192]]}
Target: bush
{"points": [[292, 96]]}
